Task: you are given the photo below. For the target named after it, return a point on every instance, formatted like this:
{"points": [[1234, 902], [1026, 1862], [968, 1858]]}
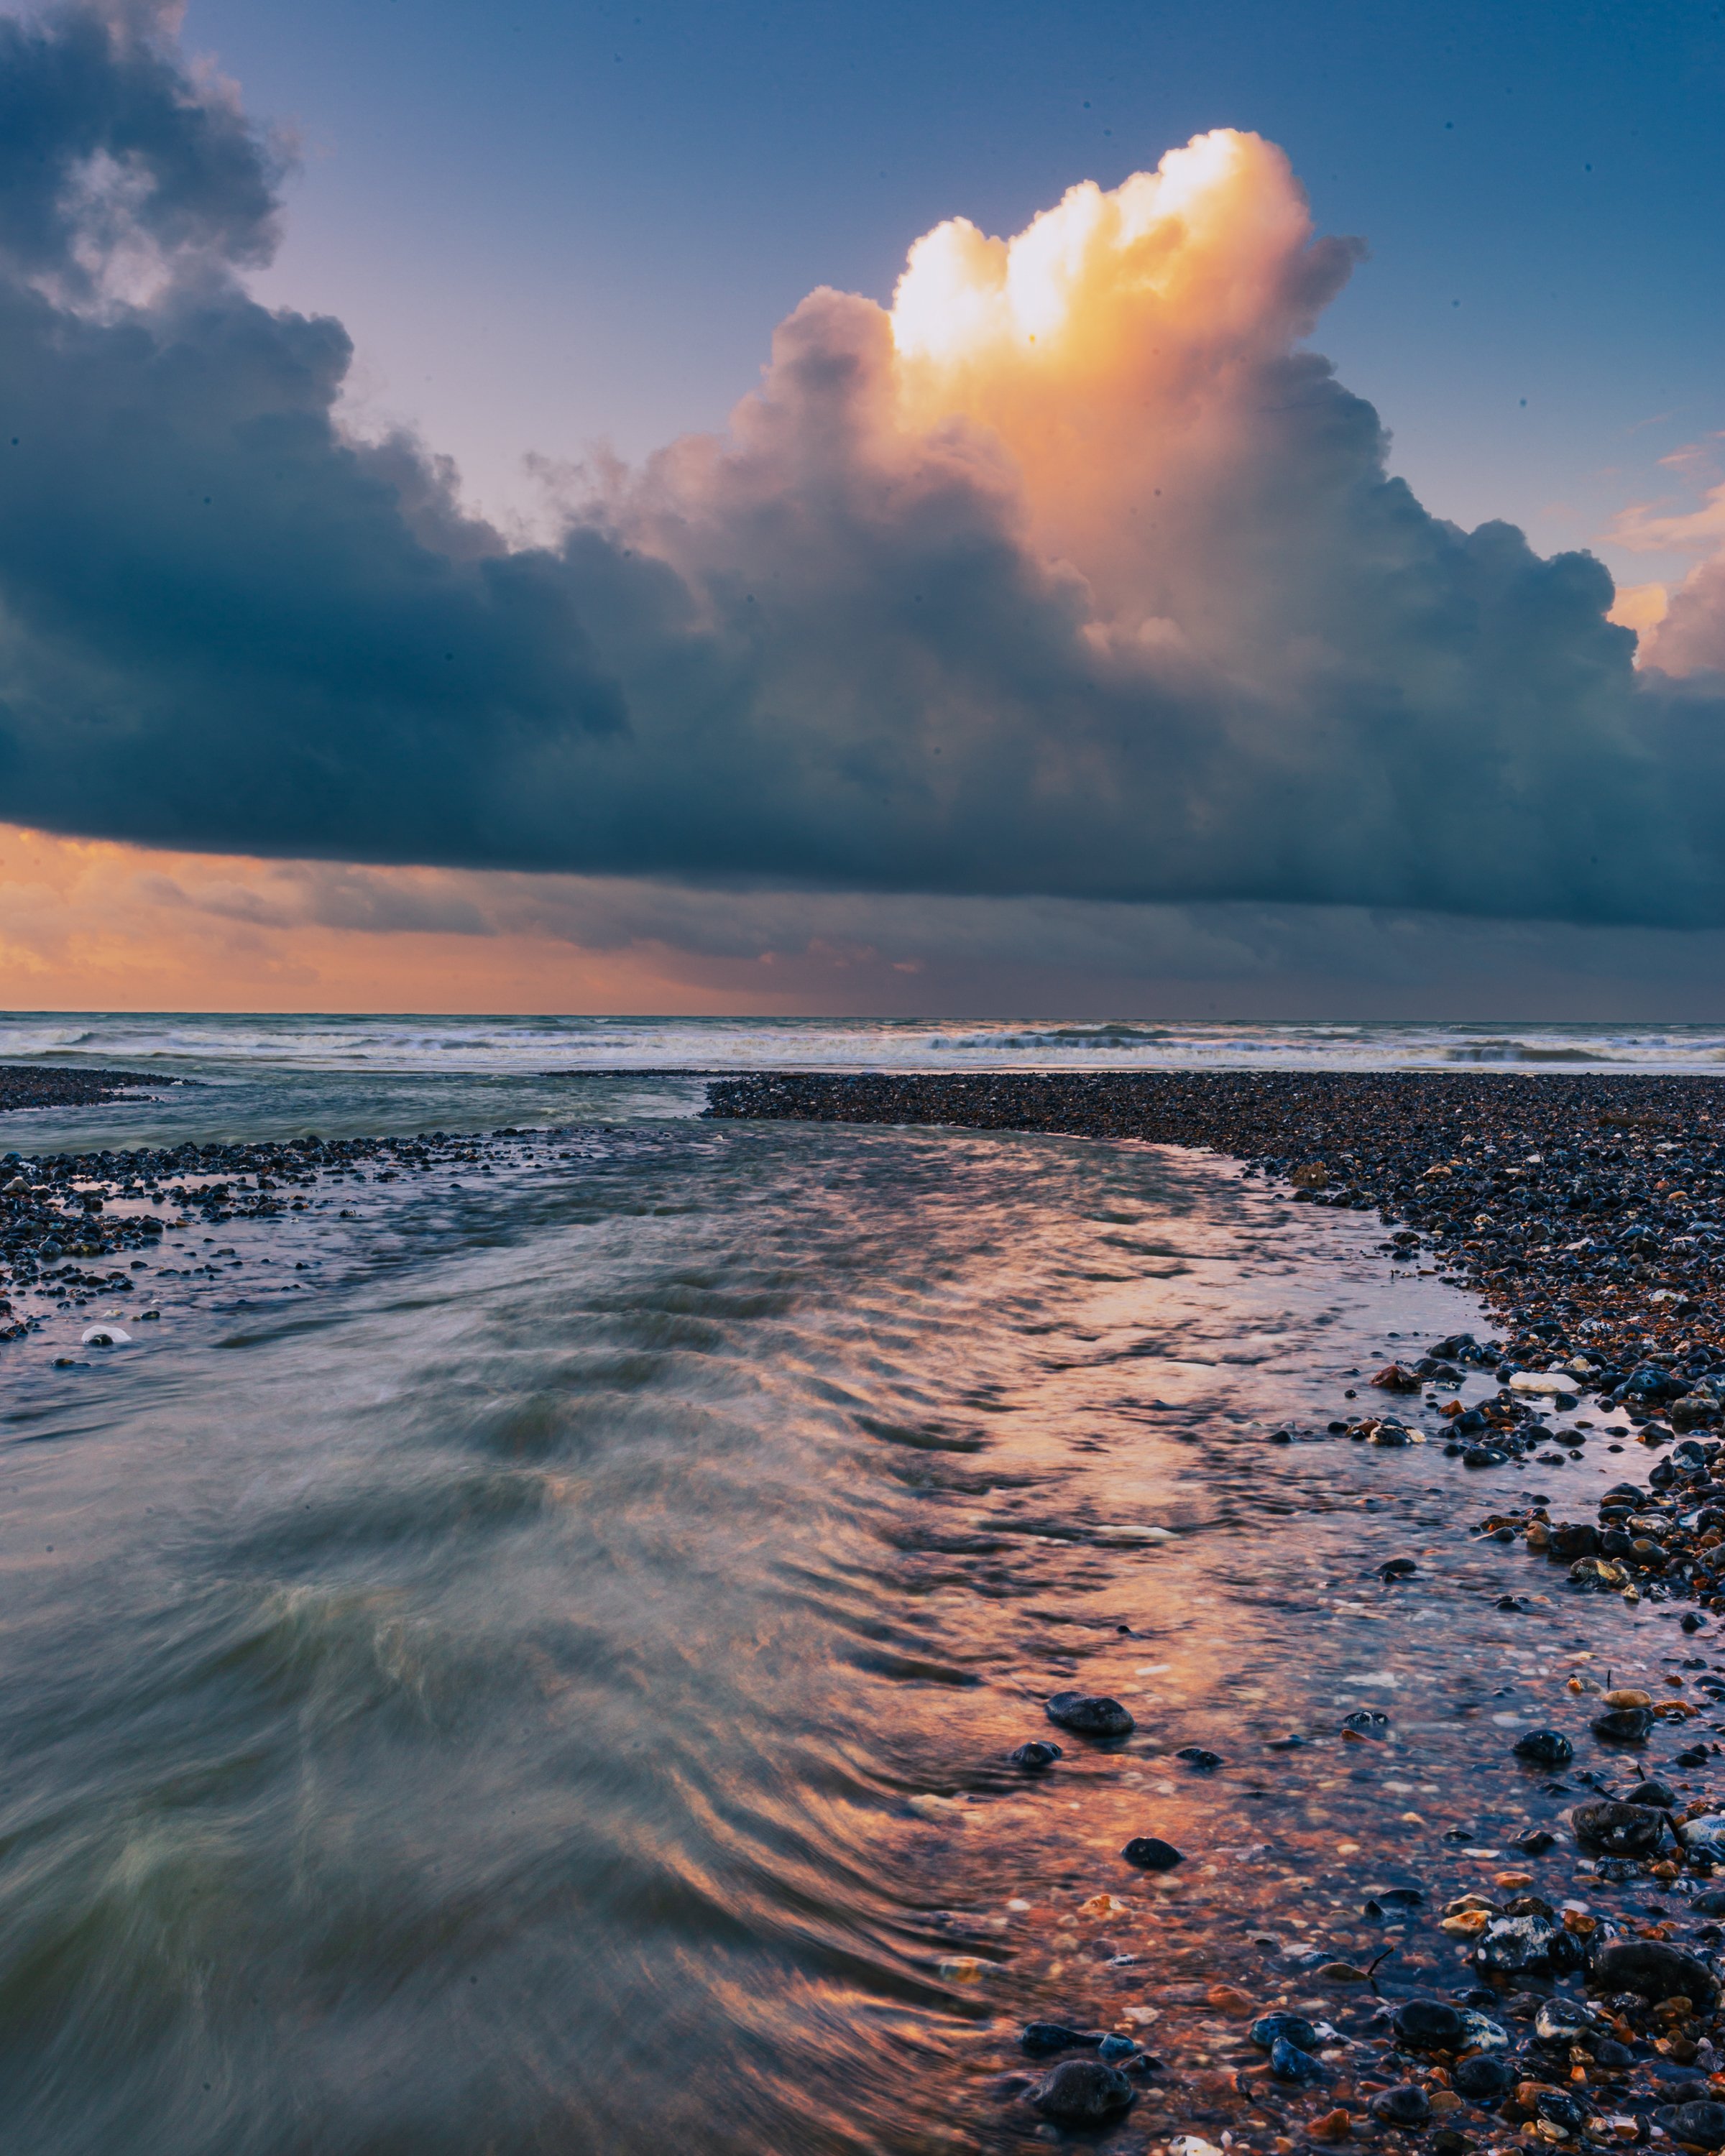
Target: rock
{"points": [[1429, 2024], [1653, 1970], [1535, 1842], [1569, 1541], [1623, 1725], [1036, 1756], [1483, 2079], [1704, 1834], [1405, 2105], [1200, 1760], [1040, 2038], [1711, 1903], [1617, 1830], [1151, 1853], [1395, 1378], [1561, 2020], [1701, 2123], [1557, 2108], [1089, 1714], [1289, 2063], [1397, 1568], [1526, 1946], [1113, 2050], [1083, 2092], [1271, 2029], [1654, 1794], [1545, 1748]]}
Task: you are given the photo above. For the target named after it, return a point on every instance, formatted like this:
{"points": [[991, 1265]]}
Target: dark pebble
{"points": [[1623, 1725], [1089, 1714], [1082, 2092], [1289, 2063], [1484, 2078], [1042, 2039], [1269, 2029], [1545, 1748], [1035, 1757], [1150, 1853], [1653, 1970], [1618, 1829], [1405, 2105], [1701, 2123], [1431, 2025]]}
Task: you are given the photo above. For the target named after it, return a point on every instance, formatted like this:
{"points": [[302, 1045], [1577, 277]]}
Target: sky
{"points": [[483, 524]]}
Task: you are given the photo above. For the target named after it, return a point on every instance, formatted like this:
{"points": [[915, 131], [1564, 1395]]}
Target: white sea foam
{"points": [[507, 1045]]}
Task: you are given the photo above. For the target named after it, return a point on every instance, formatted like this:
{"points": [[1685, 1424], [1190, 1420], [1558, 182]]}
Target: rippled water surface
{"points": [[545, 1687]]}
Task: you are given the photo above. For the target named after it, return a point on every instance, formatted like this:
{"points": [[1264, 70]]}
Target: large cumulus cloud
{"points": [[1073, 575]]}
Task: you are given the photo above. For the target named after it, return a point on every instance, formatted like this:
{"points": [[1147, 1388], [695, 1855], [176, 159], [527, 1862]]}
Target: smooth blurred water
{"points": [[545, 1686]]}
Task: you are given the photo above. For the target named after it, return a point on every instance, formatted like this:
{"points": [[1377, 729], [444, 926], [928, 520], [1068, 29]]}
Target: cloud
{"points": [[1073, 576], [88, 925]]}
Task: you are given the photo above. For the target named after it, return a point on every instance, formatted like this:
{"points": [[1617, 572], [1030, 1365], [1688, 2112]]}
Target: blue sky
{"points": [[1072, 623], [546, 225]]}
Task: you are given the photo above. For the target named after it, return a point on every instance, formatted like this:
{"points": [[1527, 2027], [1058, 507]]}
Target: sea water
{"points": [[524, 1659]]}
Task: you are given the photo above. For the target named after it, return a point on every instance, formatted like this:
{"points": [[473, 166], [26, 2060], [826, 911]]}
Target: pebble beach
{"points": [[1278, 1576]]}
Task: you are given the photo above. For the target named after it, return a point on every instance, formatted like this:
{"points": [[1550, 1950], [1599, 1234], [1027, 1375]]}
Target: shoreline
{"points": [[1582, 2037], [1583, 1212], [56, 1086]]}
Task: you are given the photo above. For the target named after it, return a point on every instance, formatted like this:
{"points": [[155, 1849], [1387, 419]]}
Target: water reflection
{"points": [[552, 1692]]}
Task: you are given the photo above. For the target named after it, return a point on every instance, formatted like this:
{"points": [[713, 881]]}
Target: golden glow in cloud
{"points": [[1104, 347]]}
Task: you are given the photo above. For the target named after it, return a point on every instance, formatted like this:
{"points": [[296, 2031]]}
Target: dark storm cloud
{"points": [[833, 650]]}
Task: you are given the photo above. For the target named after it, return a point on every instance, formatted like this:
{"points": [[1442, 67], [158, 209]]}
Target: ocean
{"points": [[523, 1656]]}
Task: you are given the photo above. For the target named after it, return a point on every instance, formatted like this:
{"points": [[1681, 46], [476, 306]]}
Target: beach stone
{"points": [[1429, 2024], [1405, 2105], [1617, 1829], [1152, 1854], [1702, 2123], [1623, 1725], [1557, 2108], [1569, 1541], [1530, 1945], [1561, 2020], [1289, 2063], [1271, 2029], [1653, 1970], [1040, 2038], [1544, 1747], [1089, 1714], [1036, 1756], [1396, 1377], [1654, 1794], [1711, 1903], [1082, 2092], [1200, 1760], [1483, 2079]]}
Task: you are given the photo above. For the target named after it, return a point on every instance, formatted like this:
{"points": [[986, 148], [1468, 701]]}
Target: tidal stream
{"points": [[540, 1677]]}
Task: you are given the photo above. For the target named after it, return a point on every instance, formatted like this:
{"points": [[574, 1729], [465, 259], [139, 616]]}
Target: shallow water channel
{"points": [[539, 1678]]}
